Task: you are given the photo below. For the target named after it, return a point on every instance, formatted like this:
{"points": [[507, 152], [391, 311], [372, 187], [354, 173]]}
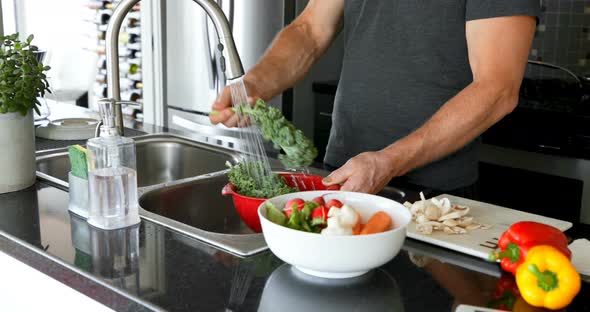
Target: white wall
{"points": [[328, 68], [60, 30]]}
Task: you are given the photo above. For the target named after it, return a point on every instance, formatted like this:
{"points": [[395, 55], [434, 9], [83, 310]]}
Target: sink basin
{"points": [[179, 185], [197, 208], [160, 158], [198, 204]]}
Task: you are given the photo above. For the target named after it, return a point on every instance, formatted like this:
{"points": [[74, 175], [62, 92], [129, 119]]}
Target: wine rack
{"points": [[130, 60]]}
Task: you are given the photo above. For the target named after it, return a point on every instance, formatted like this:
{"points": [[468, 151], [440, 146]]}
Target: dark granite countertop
{"points": [[149, 267]]}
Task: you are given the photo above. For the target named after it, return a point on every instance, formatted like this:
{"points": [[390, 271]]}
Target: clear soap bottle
{"points": [[112, 175]]}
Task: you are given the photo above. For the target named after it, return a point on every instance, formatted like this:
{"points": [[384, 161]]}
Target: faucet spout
{"points": [[230, 62]]}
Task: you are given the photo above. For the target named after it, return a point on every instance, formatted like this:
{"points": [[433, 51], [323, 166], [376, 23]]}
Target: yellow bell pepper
{"points": [[547, 278]]}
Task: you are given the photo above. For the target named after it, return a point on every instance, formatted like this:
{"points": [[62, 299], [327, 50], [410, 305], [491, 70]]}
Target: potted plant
{"points": [[22, 80]]}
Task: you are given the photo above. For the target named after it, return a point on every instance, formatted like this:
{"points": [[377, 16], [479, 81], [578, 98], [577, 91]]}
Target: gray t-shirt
{"points": [[403, 60]]}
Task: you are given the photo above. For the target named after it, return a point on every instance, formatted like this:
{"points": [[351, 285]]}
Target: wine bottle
{"points": [[103, 17], [94, 5], [101, 78], [100, 90], [102, 62], [133, 22], [127, 83], [134, 30], [126, 37], [134, 14], [130, 68], [131, 95], [134, 61]]}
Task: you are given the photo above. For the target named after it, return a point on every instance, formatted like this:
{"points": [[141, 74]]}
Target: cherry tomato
{"points": [[334, 203], [295, 201], [289, 206], [319, 200], [320, 212]]}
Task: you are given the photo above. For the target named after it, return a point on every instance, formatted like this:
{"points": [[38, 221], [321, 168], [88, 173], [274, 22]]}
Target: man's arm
{"points": [[498, 51], [295, 49]]}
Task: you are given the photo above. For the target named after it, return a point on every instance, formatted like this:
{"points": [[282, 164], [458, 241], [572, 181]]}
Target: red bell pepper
{"points": [[522, 236]]}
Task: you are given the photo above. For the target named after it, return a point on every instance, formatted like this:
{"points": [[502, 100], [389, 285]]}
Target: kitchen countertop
{"points": [[177, 273], [149, 267]]}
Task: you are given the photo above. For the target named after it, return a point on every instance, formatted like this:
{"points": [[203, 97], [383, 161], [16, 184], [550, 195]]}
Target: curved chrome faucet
{"points": [[229, 61]]}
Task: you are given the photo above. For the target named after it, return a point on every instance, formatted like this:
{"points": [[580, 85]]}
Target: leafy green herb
{"points": [[299, 150], [299, 219], [295, 219], [270, 186], [275, 214], [22, 79], [318, 221]]}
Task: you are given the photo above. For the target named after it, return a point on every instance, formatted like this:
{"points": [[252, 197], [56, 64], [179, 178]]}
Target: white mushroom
{"points": [[465, 221], [455, 214], [421, 218], [441, 214], [432, 212], [450, 222], [473, 226], [424, 228], [459, 230], [485, 226], [435, 225], [417, 207], [444, 204], [448, 230]]}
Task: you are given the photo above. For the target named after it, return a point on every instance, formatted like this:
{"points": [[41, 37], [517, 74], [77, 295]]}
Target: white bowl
{"points": [[337, 256]]}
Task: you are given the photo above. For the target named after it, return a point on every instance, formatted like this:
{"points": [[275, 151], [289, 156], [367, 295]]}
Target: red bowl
{"points": [[247, 207]]}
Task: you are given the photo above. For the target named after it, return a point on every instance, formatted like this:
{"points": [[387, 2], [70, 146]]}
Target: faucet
{"points": [[229, 62]]}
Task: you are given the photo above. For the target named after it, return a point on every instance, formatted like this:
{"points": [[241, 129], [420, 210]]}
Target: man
{"points": [[420, 81]]}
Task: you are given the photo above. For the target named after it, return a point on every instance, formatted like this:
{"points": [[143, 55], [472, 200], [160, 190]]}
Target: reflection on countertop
{"points": [[293, 290]]}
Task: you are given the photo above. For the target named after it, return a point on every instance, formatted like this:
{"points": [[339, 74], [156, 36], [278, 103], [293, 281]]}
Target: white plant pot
{"points": [[17, 145]]}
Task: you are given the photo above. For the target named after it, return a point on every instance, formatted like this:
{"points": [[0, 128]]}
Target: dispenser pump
{"points": [[107, 113]]}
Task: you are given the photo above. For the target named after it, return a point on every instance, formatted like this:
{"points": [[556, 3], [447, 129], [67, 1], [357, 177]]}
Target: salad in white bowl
{"points": [[337, 235]]}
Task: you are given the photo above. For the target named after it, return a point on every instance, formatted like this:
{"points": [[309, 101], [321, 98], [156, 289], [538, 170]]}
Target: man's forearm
{"points": [[458, 122], [287, 61], [293, 52], [498, 49]]}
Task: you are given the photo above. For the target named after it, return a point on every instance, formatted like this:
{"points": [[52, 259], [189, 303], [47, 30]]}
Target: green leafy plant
{"points": [[299, 150], [22, 77], [271, 186]]}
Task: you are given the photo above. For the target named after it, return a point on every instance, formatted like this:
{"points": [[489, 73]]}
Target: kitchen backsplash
{"points": [[563, 35]]}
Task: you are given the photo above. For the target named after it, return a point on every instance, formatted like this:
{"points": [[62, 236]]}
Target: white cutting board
{"points": [[479, 242]]}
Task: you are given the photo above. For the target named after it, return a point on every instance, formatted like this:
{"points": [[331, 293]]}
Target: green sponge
{"points": [[78, 164]]}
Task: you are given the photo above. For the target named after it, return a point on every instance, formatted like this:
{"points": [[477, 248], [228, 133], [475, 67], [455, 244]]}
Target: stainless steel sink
{"points": [[180, 182], [198, 209], [160, 158]]}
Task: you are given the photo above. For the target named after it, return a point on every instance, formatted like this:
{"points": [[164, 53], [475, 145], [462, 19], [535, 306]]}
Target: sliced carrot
{"points": [[379, 222], [356, 230]]}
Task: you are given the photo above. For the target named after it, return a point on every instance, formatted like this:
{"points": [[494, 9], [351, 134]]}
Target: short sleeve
{"points": [[480, 9]]}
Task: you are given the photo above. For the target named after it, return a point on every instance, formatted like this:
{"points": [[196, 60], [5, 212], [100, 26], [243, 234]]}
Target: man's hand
{"points": [[367, 172], [221, 109]]}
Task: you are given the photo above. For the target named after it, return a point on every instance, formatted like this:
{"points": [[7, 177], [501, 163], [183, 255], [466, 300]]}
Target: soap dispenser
{"points": [[112, 175]]}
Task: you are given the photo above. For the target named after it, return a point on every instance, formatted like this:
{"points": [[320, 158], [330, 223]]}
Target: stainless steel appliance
{"points": [[540, 153], [191, 63]]}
